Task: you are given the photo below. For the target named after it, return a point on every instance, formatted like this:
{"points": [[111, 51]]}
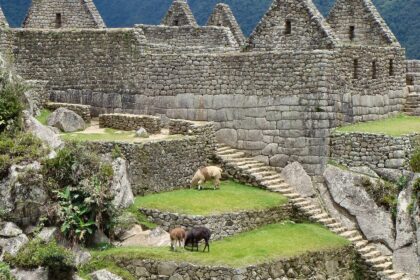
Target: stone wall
{"points": [[382, 151], [130, 122], [226, 224], [164, 165], [332, 264], [81, 110], [279, 105], [73, 14]]}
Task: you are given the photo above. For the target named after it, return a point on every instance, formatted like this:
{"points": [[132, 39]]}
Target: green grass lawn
{"points": [[108, 135], [43, 116], [394, 126], [264, 244], [232, 197]]}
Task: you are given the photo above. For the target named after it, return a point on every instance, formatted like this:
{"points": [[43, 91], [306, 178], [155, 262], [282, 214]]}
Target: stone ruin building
{"points": [[275, 94]]}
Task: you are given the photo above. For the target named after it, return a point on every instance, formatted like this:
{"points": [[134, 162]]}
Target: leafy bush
{"points": [[38, 253], [18, 148], [5, 272], [11, 106], [415, 161], [80, 181]]}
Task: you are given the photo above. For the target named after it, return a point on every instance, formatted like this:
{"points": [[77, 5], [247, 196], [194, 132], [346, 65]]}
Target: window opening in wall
{"points": [[288, 27], [374, 70], [355, 69], [391, 67], [352, 33], [58, 21], [176, 22]]}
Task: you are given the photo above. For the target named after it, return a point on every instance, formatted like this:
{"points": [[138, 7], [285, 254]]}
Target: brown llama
{"points": [[177, 238]]}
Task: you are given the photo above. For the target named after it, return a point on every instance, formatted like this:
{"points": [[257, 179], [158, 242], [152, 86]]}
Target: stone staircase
{"points": [[256, 172]]}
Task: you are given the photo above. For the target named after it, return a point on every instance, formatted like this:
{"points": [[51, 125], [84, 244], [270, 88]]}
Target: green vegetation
{"points": [[108, 135], [17, 148], [415, 161], [5, 272], [231, 197], [38, 253], [99, 263], [43, 116], [11, 105], [257, 246], [79, 181], [394, 126], [139, 217]]}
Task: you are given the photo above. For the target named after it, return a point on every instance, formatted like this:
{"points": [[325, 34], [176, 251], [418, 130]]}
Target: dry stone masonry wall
{"points": [[81, 110], [130, 122], [377, 150], [223, 225], [164, 165], [333, 264]]}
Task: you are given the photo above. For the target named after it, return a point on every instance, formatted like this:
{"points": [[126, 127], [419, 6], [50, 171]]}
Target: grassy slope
{"points": [[42, 118], [230, 198], [269, 242], [394, 126], [401, 15]]}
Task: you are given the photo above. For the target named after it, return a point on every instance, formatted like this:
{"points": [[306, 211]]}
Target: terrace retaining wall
{"points": [[377, 150], [163, 165], [130, 122], [342, 263], [226, 224]]}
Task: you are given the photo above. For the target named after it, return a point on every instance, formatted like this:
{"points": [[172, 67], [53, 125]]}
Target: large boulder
{"points": [[10, 230], [375, 223], [405, 257], [21, 196], [136, 236], [121, 187], [46, 134], [104, 274], [40, 273], [13, 245], [296, 176], [66, 120]]}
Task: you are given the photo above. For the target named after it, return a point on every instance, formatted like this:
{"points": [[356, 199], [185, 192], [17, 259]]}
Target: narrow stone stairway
{"points": [[256, 172]]}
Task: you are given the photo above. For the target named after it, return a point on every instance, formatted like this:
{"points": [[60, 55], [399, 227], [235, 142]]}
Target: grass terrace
{"points": [[267, 243], [232, 197], [393, 126]]}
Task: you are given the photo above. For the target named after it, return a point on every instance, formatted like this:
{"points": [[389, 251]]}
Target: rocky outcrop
{"points": [[40, 273], [405, 256], [10, 230], [121, 187], [21, 195], [66, 120], [375, 223], [296, 176], [46, 134], [12, 245], [104, 274]]}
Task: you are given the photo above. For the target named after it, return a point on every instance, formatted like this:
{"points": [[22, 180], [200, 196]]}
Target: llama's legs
{"points": [[217, 183]]}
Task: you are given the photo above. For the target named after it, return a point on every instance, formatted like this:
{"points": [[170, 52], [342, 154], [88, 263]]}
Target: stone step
{"points": [[228, 152], [339, 230], [303, 203], [334, 226], [372, 254], [355, 238], [312, 212], [266, 174], [360, 244], [291, 195], [327, 221], [283, 190], [233, 155], [299, 199], [257, 169], [366, 249], [223, 148], [377, 260], [272, 182], [282, 185], [323, 215], [349, 233], [396, 276], [382, 266]]}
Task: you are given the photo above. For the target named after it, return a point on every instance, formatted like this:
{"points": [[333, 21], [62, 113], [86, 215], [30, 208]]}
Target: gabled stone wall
{"points": [[72, 14]]}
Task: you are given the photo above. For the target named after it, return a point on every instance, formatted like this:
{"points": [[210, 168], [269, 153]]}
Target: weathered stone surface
{"points": [[104, 274], [365, 170], [10, 230], [121, 187], [40, 273], [227, 136], [149, 238], [167, 268], [389, 174], [405, 256], [12, 245], [100, 237], [48, 234], [142, 133], [66, 120], [296, 176], [81, 257], [375, 223], [279, 160], [46, 134]]}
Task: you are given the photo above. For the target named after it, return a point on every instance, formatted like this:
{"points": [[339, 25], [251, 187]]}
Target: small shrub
{"points": [[402, 182], [38, 253], [18, 148], [116, 152], [5, 272], [11, 106], [415, 161]]}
